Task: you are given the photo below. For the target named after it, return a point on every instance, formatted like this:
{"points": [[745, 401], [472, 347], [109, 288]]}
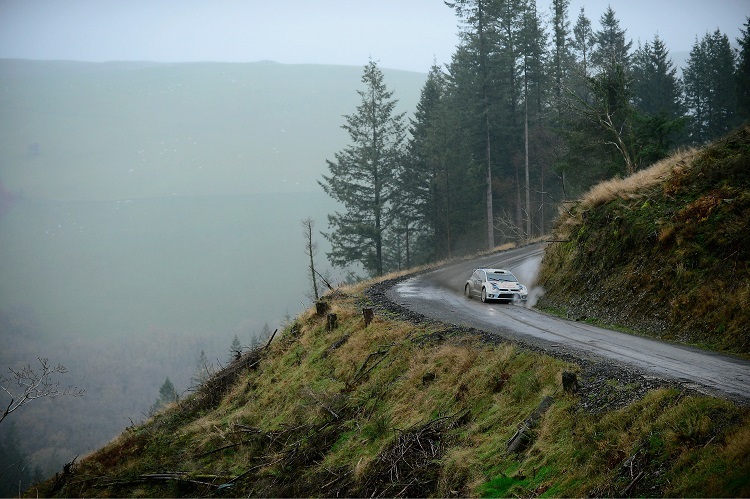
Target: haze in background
{"points": [[405, 35], [150, 210]]}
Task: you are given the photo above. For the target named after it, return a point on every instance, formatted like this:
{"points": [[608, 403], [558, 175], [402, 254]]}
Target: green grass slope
{"points": [[664, 253], [398, 409]]}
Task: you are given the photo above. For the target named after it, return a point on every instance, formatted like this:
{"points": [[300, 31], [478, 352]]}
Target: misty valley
{"points": [[127, 293], [149, 212]]}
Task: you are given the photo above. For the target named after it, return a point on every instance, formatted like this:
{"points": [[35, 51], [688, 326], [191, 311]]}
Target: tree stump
{"points": [[331, 322], [321, 307], [368, 314], [570, 382]]}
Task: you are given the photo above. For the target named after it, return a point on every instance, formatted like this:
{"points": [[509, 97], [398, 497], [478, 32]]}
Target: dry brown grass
{"points": [[634, 186], [447, 367]]}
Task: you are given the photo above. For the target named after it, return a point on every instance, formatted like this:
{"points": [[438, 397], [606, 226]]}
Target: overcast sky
{"points": [[399, 34]]}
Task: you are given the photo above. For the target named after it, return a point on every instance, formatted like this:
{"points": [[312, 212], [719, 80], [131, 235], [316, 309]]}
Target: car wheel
{"points": [[484, 295], [467, 291]]}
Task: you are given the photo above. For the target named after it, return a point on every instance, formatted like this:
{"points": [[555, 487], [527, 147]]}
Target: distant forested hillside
{"points": [[92, 131], [149, 212]]}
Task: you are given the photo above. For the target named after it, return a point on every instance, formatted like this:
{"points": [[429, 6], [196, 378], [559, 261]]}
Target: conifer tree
{"points": [[657, 97], [533, 42], [606, 102], [656, 87], [167, 395], [562, 56], [743, 74], [480, 39], [363, 177], [419, 177], [611, 46], [583, 42], [710, 94], [235, 348], [202, 370]]}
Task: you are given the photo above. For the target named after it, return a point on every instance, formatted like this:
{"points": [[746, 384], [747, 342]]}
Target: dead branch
{"points": [[214, 451], [507, 228], [271, 338], [369, 357], [245, 473], [177, 476], [410, 461], [324, 280], [34, 384]]}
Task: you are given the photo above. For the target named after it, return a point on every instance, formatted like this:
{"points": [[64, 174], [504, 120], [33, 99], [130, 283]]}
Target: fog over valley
{"points": [[151, 211]]}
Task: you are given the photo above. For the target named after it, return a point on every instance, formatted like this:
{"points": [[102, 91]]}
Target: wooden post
{"points": [[570, 382], [331, 322], [368, 314], [321, 307]]}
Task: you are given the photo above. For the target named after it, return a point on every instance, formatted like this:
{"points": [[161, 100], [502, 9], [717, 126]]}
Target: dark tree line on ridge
{"points": [[527, 114]]}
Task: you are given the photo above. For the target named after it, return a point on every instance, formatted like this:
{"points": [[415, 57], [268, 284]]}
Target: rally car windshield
{"points": [[501, 277]]}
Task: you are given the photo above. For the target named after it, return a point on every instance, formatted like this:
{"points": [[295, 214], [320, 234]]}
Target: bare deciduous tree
{"points": [[311, 249], [508, 228], [27, 384]]}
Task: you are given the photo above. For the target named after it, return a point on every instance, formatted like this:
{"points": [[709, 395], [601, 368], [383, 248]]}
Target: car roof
{"points": [[494, 271]]}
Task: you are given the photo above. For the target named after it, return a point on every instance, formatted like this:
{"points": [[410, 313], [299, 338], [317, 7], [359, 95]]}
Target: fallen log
{"points": [[524, 434]]}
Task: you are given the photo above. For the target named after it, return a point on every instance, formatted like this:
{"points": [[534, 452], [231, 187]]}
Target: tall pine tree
{"points": [[710, 94], [562, 57], [583, 43], [658, 100], [743, 74], [421, 190], [533, 41], [611, 47], [479, 39], [363, 177]]}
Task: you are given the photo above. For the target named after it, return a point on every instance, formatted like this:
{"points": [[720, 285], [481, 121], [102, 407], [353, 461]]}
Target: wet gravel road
{"points": [[438, 295]]}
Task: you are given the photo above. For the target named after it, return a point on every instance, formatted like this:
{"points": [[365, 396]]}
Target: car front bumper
{"points": [[506, 295]]}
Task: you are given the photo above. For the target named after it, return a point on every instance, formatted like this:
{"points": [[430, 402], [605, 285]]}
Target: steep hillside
{"points": [[401, 409], [664, 253]]}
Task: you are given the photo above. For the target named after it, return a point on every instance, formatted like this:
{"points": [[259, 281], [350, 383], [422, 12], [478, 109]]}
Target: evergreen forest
{"points": [[529, 113]]}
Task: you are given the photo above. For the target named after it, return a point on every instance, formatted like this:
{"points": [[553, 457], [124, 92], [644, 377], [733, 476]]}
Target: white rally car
{"points": [[495, 284]]}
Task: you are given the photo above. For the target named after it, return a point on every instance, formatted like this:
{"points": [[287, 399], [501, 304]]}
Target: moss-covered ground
{"points": [[665, 253]]}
